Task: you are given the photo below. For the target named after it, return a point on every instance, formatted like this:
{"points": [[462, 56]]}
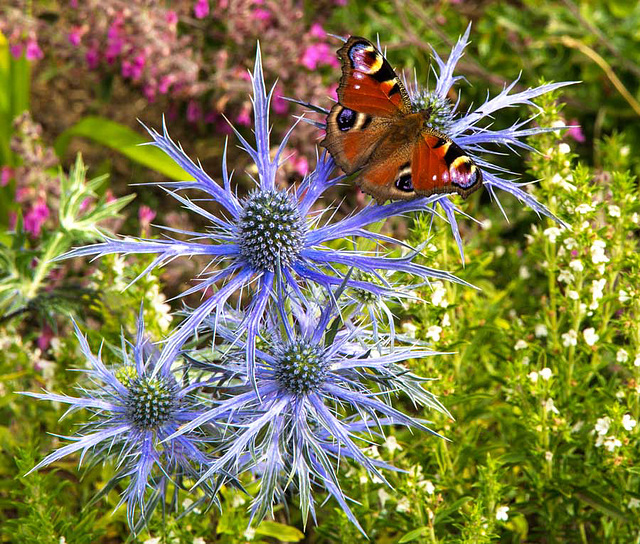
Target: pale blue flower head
{"points": [[322, 394], [133, 409]]}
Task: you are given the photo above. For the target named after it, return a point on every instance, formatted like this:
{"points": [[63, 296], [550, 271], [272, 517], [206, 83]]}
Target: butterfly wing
{"points": [[369, 96], [432, 164]]}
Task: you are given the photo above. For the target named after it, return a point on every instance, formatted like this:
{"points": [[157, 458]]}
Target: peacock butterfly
{"points": [[375, 132]]}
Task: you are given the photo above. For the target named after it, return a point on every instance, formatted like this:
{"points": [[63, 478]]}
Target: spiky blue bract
{"points": [[134, 410], [322, 393], [270, 232]]}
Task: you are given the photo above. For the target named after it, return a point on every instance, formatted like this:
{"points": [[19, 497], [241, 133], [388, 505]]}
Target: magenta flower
{"points": [[575, 132], [75, 36], [201, 9], [261, 14], [317, 31], [36, 217], [317, 54], [194, 112], [6, 173], [244, 117], [279, 104], [93, 58], [172, 18], [16, 50], [146, 215]]}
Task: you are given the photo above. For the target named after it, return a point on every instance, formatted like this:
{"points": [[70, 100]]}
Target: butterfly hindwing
{"points": [[439, 165], [432, 164]]}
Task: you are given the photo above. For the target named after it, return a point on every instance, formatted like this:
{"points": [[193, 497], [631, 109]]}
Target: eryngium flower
{"points": [[271, 232], [134, 410], [321, 392], [462, 127]]}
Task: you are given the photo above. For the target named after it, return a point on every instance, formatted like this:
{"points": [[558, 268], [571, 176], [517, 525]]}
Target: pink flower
{"points": [[333, 91], [84, 205], [93, 58], [194, 111], [165, 83], [22, 194], [6, 173], [317, 31], [35, 217], [316, 54], [16, 50], [75, 36], [146, 215], [44, 340], [33, 51], [575, 132], [261, 14], [300, 164], [244, 117], [171, 18], [279, 104], [201, 9], [149, 92]]}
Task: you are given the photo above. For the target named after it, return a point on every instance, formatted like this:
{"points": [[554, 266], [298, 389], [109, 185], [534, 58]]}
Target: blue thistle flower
{"points": [[135, 409], [271, 234], [462, 127], [310, 408]]}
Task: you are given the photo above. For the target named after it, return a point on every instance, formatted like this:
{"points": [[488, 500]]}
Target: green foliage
{"points": [[123, 140]]}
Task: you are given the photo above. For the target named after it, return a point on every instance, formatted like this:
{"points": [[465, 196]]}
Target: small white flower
{"points": [[624, 151], [152, 540], [439, 295], [602, 425], [570, 243], [628, 422], [590, 336], [428, 486], [392, 444], [558, 124], [570, 338], [541, 330], [636, 361], [383, 496], [622, 356], [546, 374], [597, 252], [600, 268], [564, 148], [635, 218], [623, 296], [446, 320], [199, 540], [549, 406], [249, 533], [409, 329], [403, 505], [486, 224], [614, 211], [548, 456], [502, 513], [552, 233], [611, 443], [526, 360], [524, 273], [499, 251], [237, 500], [576, 265], [600, 440], [565, 276], [434, 332], [633, 503], [584, 208], [573, 295], [520, 344], [533, 376]]}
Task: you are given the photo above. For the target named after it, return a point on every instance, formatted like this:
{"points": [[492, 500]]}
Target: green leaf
{"points": [[413, 535], [600, 504], [279, 531], [122, 139]]}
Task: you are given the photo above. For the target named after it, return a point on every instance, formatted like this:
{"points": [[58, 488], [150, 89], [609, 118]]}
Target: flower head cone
{"points": [[311, 408], [477, 141], [270, 234], [134, 411]]}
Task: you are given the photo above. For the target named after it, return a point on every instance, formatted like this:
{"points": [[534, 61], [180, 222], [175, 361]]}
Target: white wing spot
{"points": [[434, 177]]}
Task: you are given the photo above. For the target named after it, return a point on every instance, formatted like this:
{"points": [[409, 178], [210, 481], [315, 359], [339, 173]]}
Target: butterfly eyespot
{"points": [[404, 184], [346, 119]]}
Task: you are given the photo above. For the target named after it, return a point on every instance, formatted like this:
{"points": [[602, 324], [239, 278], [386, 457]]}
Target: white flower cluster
{"points": [[601, 429]]}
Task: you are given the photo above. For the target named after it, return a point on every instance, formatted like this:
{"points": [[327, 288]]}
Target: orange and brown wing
{"points": [[433, 164], [369, 84], [439, 165]]}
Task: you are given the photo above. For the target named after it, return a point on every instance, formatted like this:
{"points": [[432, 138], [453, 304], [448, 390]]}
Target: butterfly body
{"points": [[393, 148]]}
